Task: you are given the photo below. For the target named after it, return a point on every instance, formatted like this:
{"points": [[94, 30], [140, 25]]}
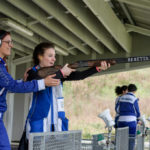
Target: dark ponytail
{"points": [[118, 90]]}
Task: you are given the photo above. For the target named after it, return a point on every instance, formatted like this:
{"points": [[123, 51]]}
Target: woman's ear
{"points": [[40, 57]]}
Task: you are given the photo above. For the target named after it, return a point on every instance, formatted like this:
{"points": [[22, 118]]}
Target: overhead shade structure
{"points": [[80, 30], [16, 26]]}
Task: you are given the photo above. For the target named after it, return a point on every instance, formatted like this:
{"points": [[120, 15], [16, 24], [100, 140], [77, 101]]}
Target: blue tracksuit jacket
{"points": [[117, 115], [44, 115], [7, 83], [128, 110], [47, 110]]}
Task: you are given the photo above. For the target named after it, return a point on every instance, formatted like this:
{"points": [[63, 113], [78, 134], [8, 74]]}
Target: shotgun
{"points": [[45, 71]]}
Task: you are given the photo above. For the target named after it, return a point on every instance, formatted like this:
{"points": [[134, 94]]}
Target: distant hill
{"points": [[85, 99]]}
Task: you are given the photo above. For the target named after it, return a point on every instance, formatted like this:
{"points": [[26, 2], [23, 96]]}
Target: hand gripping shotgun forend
{"points": [[45, 71]]}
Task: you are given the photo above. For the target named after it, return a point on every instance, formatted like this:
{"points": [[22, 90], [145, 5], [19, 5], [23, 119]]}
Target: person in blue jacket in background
{"points": [[129, 113], [119, 90], [46, 112], [7, 83]]}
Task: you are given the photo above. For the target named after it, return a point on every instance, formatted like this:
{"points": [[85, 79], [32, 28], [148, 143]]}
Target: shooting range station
{"points": [[80, 29]]}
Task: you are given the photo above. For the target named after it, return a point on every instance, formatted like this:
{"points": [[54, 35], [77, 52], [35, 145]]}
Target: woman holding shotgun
{"points": [[7, 83], [47, 107]]}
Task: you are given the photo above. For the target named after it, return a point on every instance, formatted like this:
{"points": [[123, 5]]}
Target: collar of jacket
{"points": [[2, 61]]}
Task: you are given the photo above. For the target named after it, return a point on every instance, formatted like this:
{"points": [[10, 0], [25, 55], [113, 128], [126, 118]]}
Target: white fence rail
{"points": [[68, 140]]}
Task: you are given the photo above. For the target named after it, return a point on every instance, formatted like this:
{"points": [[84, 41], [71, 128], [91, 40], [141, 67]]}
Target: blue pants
{"points": [[4, 141], [132, 132]]}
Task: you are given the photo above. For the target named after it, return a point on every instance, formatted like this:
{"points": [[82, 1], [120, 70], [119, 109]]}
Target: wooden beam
{"points": [[70, 23], [127, 13], [108, 18], [132, 28], [138, 3], [22, 60], [84, 15], [22, 48], [17, 15], [23, 41], [43, 32], [61, 51], [37, 39], [32, 10], [18, 52]]}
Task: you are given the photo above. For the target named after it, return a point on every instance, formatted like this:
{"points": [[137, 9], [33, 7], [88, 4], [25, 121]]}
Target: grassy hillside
{"points": [[84, 100]]}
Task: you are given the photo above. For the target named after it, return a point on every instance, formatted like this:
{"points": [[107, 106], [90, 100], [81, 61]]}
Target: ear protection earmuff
{"points": [[2, 35]]}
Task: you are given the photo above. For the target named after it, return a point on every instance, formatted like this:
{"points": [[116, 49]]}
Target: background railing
{"points": [[71, 140]]}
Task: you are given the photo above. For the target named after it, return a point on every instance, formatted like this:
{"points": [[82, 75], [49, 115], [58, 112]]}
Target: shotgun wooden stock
{"points": [[45, 71]]}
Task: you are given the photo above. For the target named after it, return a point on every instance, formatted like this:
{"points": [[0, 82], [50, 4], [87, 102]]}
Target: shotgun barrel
{"points": [[45, 71]]}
